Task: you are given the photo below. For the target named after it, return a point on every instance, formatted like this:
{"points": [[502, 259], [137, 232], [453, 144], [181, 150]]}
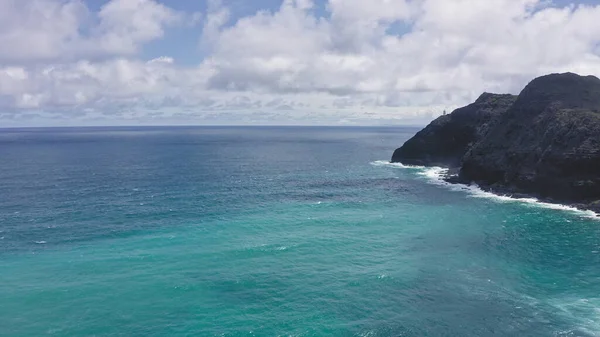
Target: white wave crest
{"points": [[435, 175], [397, 165], [583, 311]]}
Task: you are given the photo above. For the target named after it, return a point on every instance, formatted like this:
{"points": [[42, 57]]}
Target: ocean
{"points": [[275, 231]]}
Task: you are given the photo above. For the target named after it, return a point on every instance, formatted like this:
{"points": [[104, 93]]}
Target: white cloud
{"points": [[357, 26], [126, 24], [38, 29], [455, 50], [366, 61], [65, 30]]}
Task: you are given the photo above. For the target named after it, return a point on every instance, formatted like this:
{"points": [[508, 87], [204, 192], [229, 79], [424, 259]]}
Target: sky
{"points": [[278, 62]]}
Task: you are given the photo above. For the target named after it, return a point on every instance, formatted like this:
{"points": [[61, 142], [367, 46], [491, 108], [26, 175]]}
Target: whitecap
{"points": [[583, 312], [435, 175], [40, 242], [398, 165]]}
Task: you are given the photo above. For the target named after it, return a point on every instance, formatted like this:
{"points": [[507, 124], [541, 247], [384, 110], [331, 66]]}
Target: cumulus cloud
{"points": [[452, 51], [57, 30], [379, 61], [124, 25]]}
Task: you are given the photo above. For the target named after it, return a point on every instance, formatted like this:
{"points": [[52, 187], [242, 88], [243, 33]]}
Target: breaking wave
{"points": [[435, 175]]}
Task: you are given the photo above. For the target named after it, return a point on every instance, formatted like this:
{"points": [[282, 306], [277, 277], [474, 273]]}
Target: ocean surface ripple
{"points": [[275, 231]]}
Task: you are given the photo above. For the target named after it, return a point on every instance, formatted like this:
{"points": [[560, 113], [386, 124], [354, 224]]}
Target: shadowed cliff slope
{"points": [[545, 143], [447, 139]]}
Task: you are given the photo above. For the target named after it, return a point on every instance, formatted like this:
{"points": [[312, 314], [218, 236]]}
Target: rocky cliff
{"points": [[446, 140], [545, 142]]}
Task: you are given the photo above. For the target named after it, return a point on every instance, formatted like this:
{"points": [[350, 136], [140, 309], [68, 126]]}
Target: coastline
{"points": [[446, 177], [542, 144]]}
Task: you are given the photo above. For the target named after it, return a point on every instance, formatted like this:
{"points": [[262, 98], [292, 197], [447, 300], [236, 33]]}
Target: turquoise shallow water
{"points": [[274, 232]]}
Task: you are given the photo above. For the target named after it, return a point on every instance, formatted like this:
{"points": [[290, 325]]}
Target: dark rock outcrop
{"points": [[545, 143], [445, 141]]}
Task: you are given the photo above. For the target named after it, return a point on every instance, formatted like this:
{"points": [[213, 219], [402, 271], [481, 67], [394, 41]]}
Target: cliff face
{"points": [[545, 143], [445, 141]]}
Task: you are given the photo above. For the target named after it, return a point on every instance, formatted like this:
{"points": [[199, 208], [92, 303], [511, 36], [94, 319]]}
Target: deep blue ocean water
{"points": [[275, 231]]}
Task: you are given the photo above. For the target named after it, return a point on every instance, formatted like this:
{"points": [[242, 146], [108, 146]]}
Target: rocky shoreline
{"points": [[543, 143], [520, 194]]}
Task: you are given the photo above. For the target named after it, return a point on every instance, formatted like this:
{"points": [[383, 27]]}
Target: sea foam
{"points": [[435, 175]]}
